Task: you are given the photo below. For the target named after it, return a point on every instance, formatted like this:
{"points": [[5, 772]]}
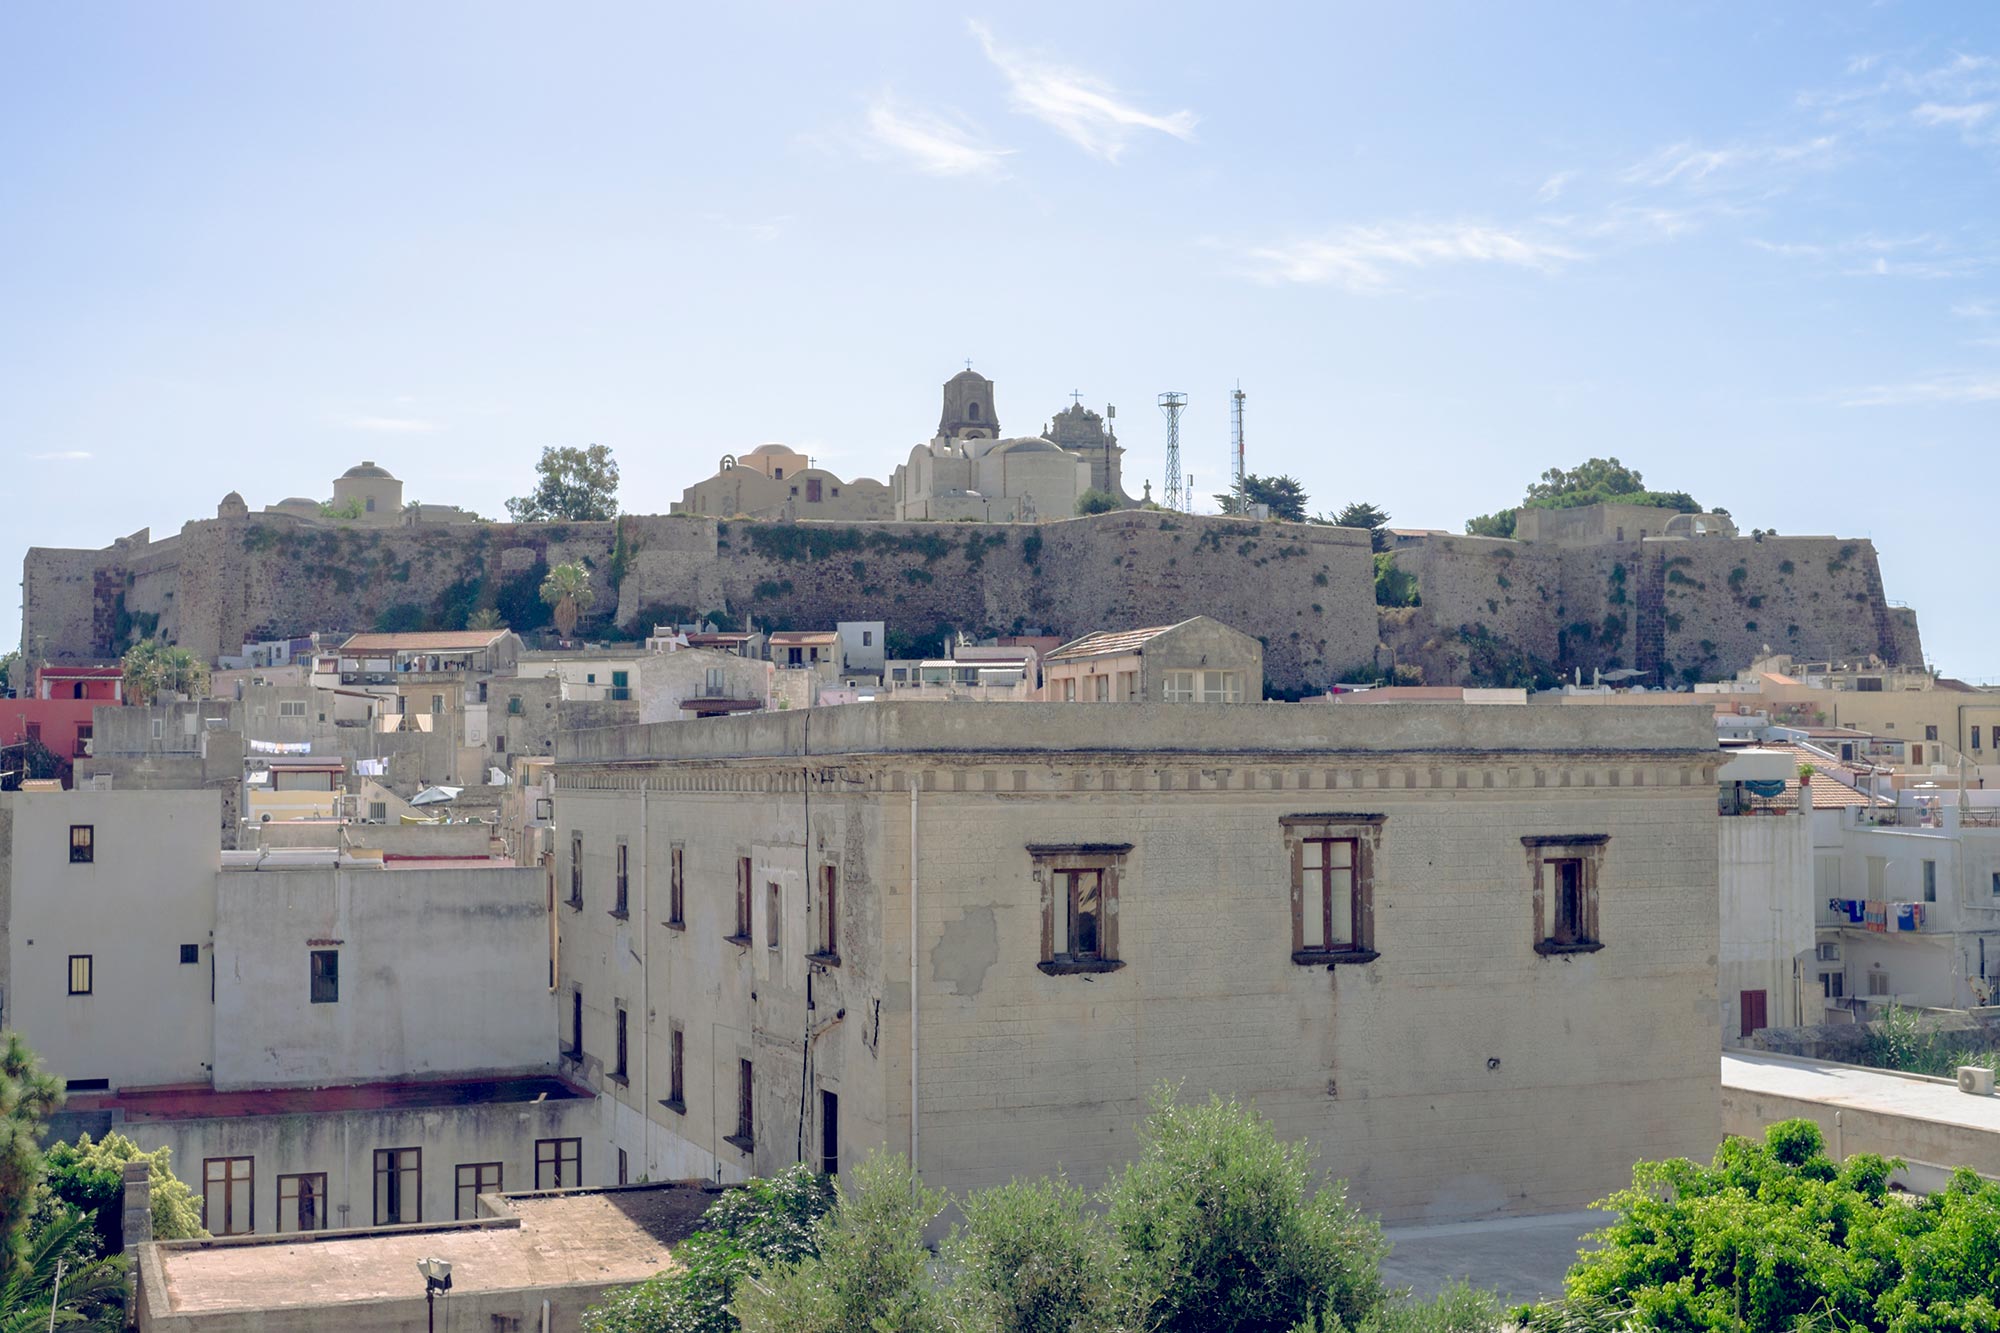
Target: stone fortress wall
{"points": [[1677, 609]]}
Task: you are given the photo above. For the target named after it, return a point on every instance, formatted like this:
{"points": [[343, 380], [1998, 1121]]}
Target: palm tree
{"points": [[92, 1295], [142, 671], [485, 618], [183, 673], [153, 668], [567, 589]]}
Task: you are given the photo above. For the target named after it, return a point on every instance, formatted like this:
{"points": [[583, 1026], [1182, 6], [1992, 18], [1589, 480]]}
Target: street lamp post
{"points": [[437, 1278]]}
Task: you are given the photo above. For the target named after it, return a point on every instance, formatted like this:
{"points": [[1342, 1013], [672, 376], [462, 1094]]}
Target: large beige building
{"points": [[1468, 952], [970, 470], [772, 481]]}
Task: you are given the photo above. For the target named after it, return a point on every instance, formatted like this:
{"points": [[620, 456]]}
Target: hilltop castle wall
{"points": [[1677, 609]]}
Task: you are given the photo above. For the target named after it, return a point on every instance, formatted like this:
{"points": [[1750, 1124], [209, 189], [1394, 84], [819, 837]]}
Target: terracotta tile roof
{"points": [[438, 641], [787, 638], [1828, 792], [1100, 643]]}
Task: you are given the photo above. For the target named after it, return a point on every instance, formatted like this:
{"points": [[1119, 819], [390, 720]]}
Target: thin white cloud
{"points": [[1964, 115], [930, 143], [62, 456], [1689, 164], [392, 425], [1076, 104], [1365, 259], [1553, 187], [1951, 387], [1974, 310]]}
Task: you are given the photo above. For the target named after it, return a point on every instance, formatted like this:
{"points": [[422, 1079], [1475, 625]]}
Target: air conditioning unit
{"points": [[1975, 1079]]}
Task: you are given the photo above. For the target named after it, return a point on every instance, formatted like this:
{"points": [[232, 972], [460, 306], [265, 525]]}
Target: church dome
{"points": [[1025, 444], [365, 471]]}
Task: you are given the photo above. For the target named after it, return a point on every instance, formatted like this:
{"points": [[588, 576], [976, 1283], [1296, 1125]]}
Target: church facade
{"points": [[971, 469]]}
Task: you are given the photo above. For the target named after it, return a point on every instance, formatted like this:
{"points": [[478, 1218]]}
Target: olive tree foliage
{"points": [[1032, 1257], [871, 1270], [1231, 1230], [767, 1221], [573, 485]]}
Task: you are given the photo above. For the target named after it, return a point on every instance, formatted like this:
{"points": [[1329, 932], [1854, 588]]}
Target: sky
{"points": [[1751, 251]]}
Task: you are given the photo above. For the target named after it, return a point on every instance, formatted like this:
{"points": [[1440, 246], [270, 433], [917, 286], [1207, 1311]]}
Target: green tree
{"points": [[766, 1222], [485, 617], [152, 668], [567, 591], [9, 664], [1227, 1232], [576, 485], [92, 1295], [1393, 586], [1500, 524], [28, 1097], [1031, 1258], [870, 1272], [1772, 1237], [28, 760], [1284, 495], [90, 1178], [349, 512], [1095, 501], [1367, 516]]}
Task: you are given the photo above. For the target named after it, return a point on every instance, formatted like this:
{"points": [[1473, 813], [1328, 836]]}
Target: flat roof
{"points": [[557, 1239], [1878, 1090], [436, 641], [199, 1102]]}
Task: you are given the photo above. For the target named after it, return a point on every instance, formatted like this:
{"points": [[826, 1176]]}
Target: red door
{"points": [[1752, 1004]]}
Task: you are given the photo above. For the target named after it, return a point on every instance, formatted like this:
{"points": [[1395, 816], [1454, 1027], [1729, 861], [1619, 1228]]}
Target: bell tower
{"points": [[968, 408]]}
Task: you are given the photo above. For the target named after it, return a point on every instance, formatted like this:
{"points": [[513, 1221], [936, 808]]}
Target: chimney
{"points": [[138, 1205]]}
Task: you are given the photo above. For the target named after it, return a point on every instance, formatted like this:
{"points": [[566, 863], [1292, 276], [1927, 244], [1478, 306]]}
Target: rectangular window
{"points": [[437, 704], [676, 1053], [291, 708], [622, 888], [227, 1196], [827, 909], [576, 1024], [1079, 892], [1833, 985], [1975, 733], [82, 844], [576, 870], [619, 1034], [514, 705], [867, 638], [81, 976], [325, 976], [1102, 689], [302, 1204], [378, 812], [1333, 888], [746, 1095], [399, 1186], [829, 1134], [1221, 687], [624, 1168], [1565, 871], [558, 1164], [1930, 732], [1930, 881], [474, 1179], [774, 914], [1069, 690], [742, 934], [190, 953], [677, 886], [1752, 1010], [160, 729]]}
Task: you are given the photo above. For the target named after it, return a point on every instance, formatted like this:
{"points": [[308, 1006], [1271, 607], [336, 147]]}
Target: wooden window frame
{"points": [[1364, 833], [323, 984], [228, 1182], [621, 882], [83, 851], [1055, 868], [89, 962], [745, 877], [745, 1137], [1551, 850], [826, 917], [389, 1163], [552, 1154], [676, 1098], [676, 887], [288, 1202], [460, 1212]]}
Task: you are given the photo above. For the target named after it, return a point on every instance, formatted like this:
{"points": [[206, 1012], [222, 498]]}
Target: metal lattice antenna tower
{"points": [[1236, 467], [1180, 494]]}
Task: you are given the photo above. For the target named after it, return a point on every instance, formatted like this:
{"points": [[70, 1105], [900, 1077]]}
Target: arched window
{"points": [[972, 411]]}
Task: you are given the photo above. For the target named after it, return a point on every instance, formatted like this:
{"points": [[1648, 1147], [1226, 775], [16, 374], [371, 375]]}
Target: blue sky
{"points": [[1753, 251]]}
